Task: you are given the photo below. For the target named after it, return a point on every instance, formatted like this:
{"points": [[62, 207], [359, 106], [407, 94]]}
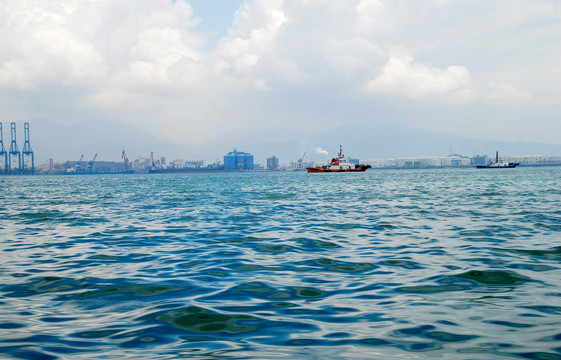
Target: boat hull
{"points": [[360, 168], [509, 166]]}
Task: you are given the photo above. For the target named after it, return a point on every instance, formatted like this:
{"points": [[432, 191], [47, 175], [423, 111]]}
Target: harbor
{"points": [[14, 161]]}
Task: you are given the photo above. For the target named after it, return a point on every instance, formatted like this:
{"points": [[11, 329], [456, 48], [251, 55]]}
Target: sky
{"points": [[190, 71]]}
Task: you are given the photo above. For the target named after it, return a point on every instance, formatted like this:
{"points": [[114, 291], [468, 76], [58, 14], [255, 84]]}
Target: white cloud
{"points": [[374, 18], [245, 45], [76, 43], [146, 62], [155, 55], [403, 77], [14, 75], [505, 92], [39, 46]]}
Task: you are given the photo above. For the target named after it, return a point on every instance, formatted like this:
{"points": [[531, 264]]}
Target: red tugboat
{"points": [[339, 164]]}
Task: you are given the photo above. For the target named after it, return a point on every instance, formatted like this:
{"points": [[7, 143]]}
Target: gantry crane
{"points": [[3, 151], [27, 151], [14, 150]]}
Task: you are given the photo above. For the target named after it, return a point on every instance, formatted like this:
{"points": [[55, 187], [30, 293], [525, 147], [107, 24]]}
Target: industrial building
{"points": [[273, 163], [420, 162], [238, 161], [79, 167], [480, 160], [535, 160]]}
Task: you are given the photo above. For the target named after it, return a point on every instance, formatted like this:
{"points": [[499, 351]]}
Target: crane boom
{"points": [[301, 161], [79, 165], [90, 164]]}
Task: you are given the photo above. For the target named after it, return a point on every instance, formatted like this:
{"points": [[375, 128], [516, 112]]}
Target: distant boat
{"points": [[339, 164], [499, 163]]}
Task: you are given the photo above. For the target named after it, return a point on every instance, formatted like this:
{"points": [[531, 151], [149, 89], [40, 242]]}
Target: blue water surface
{"points": [[416, 264]]}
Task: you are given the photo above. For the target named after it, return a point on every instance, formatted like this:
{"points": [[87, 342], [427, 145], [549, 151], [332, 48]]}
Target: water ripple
{"points": [[456, 264]]}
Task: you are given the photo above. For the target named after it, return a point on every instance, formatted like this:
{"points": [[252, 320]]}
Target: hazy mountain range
{"points": [[375, 140]]}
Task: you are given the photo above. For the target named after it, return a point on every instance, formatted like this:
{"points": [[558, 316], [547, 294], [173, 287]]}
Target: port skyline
{"points": [[376, 139], [48, 139]]}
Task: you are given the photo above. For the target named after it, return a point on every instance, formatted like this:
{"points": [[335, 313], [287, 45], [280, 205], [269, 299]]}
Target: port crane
{"points": [[14, 150], [27, 151], [3, 151], [126, 160], [90, 164], [79, 165], [301, 162], [74, 169]]}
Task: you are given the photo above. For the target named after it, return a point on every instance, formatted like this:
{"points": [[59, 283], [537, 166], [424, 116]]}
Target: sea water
{"points": [[386, 264]]}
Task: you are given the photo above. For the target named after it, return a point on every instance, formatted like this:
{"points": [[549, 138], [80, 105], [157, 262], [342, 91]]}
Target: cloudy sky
{"points": [[188, 71]]}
